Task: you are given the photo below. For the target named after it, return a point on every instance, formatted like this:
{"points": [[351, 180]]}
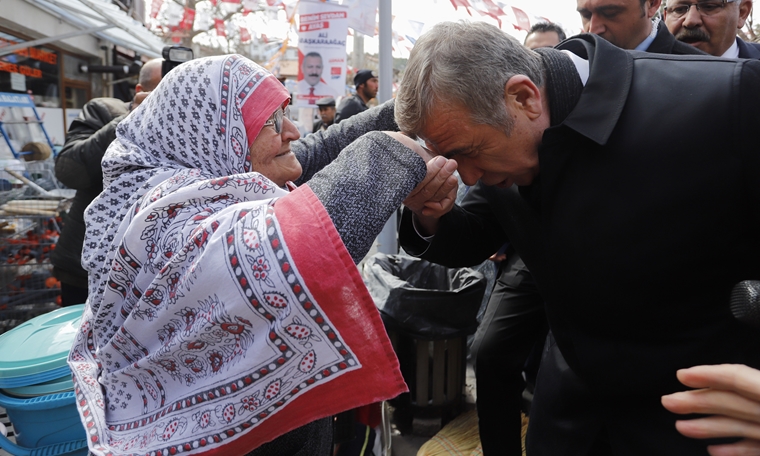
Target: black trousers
{"points": [[313, 439], [514, 322]]}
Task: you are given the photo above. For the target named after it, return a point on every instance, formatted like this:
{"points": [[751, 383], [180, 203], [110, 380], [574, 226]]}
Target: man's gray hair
{"points": [[466, 64]]}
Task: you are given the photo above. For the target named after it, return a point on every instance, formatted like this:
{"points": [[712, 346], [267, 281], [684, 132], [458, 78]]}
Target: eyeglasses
{"points": [[276, 119], [704, 8]]}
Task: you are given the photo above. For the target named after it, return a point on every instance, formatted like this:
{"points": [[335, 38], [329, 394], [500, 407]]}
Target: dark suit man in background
{"points": [[544, 34], [612, 228], [514, 321], [366, 85], [629, 24], [711, 26]]}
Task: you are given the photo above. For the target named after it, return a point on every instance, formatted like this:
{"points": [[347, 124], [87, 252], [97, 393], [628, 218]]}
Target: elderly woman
{"points": [[225, 306]]}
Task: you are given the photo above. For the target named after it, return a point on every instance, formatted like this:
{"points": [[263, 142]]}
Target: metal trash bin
{"points": [[428, 311]]}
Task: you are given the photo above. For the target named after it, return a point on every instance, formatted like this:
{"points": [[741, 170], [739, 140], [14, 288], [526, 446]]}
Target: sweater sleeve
{"points": [[315, 151], [364, 186]]}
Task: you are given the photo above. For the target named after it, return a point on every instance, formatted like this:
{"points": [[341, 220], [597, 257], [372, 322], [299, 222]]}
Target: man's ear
{"points": [[745, 7], [138, 88], [521, 94], [651, 7]]}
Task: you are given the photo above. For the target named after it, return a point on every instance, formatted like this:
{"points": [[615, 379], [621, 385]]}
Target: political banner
{"points": [[322, 31]]}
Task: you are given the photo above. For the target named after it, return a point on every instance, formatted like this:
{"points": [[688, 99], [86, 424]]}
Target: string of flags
{"points": [[220, 18]]}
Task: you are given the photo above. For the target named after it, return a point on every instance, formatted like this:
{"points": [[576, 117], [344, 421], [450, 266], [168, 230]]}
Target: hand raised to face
{"points": [[436, 194]]}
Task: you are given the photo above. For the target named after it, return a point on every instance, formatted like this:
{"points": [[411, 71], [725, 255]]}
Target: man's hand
{"points": [[729, 392], [436, 194]]}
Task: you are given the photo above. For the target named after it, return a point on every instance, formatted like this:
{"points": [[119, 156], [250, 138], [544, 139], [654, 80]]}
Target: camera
{"points": [[173, 56]]}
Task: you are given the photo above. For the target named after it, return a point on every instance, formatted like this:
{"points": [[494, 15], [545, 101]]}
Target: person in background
{"points": [[226, 313], [77, 166], [544, 34], [326, 108], [630, 24], [366, 86], [711, 26]]}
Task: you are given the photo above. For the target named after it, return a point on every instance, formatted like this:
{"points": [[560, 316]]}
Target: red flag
{"points": [[523, 23], [187, 19], [492, 10], [462, 3], [244, 35], [221, 30], [155, 7]]}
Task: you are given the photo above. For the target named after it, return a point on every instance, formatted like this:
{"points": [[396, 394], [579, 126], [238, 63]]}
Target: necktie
{"points": [[311, 95]]}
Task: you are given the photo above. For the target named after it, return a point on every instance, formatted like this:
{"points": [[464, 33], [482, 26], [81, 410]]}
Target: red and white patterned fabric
{"points": [[224, 311]]}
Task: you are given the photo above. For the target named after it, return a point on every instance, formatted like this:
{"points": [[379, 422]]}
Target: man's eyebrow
{"points": [[607, 9], [453, 153]]}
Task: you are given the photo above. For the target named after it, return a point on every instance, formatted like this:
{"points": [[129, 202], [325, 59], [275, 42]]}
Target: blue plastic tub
{"points": [[47, 424], [36, 389]]}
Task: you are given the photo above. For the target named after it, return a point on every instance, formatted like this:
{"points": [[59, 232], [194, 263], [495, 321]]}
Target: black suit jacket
{"points": [[748, 50], [639, 225]]}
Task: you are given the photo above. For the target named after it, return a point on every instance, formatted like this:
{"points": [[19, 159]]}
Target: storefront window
{"points": [[75, 97], [31, 70]]}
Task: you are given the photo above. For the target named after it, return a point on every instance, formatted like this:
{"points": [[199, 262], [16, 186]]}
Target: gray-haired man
{"points": [[609, 207]]}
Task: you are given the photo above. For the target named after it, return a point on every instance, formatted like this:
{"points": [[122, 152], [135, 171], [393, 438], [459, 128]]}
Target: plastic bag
{"points": [[425, 299]]}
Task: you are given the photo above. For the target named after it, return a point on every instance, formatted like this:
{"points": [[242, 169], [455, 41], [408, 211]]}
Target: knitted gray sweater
{"points": [[359, 181]]}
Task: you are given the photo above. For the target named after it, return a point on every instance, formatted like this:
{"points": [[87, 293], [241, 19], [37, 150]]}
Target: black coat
{"points": [[643, 216], [77, 166], [349, 107]]}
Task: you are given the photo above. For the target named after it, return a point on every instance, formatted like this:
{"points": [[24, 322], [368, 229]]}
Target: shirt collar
{"points": [[581, 65], [732, 52], [644, 45]]}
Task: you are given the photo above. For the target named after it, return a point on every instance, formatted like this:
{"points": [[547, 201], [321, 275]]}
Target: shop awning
{"points": [[105, 21]]}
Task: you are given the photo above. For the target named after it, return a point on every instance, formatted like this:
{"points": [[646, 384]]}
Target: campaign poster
{"points": [[322, 31]]}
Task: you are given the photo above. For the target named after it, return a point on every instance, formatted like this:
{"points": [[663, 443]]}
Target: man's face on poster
{"points": [[312, 69]]}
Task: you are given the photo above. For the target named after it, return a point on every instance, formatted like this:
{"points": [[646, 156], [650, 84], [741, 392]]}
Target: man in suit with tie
{"points": [[711, 26]]}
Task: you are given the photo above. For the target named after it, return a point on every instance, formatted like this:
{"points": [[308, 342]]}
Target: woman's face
{"points": [[271, 155]]}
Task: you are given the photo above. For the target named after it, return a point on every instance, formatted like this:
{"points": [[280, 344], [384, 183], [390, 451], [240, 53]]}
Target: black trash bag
{"points": [[425, 299]]}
